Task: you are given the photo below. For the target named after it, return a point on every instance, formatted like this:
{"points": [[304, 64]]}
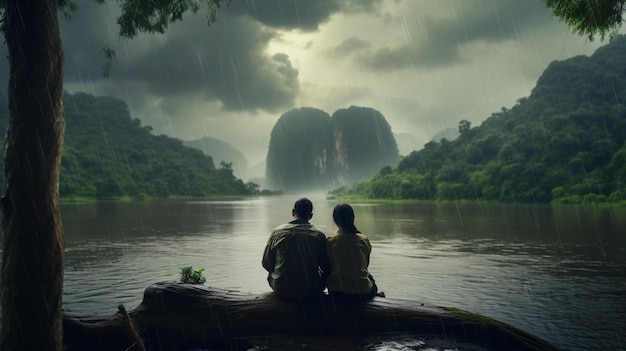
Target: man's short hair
{"points": [[303, 208]]}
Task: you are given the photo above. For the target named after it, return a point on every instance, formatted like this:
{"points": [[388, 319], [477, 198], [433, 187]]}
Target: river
{"points": [[558, 272]]}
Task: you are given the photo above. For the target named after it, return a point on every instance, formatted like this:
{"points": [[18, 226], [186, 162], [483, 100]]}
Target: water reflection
{"points": [[563, 231]]}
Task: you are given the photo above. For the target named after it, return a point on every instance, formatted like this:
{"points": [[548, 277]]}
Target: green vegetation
{"points": [[589, 17], [189, 276], [564, 143], [309, 149], [108, 155]]}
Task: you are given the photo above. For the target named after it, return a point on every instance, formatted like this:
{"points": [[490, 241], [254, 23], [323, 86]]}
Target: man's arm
{"points": [[369, 250], [324, 261], [269, 255]]}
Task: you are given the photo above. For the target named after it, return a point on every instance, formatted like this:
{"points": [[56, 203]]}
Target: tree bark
{"points": [[32, 262], [176, 316]]}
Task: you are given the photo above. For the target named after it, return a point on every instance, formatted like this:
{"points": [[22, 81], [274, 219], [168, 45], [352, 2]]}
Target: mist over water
{"points": [[555, 271]]}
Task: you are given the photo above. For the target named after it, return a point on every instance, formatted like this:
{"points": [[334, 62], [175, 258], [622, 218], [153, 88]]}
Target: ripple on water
{"points": [[373, 342]]}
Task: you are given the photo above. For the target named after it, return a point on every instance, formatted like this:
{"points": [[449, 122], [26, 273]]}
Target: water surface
{"points": [[555, 271]]}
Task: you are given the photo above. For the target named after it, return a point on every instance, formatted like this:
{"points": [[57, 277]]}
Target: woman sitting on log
{"points": [[349, 252]]}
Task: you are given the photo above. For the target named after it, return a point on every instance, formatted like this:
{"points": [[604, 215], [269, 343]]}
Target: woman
{"points": [[349, 253]]}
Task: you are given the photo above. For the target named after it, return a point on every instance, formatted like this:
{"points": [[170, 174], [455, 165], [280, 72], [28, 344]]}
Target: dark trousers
{"points": [[337, 295]]}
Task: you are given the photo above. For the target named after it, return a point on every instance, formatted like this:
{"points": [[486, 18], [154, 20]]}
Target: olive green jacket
{"points": [[297, 260]]}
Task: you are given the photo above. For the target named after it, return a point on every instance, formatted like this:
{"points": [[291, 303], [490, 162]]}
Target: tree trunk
{"points": [[175, 316], [32, 262]]}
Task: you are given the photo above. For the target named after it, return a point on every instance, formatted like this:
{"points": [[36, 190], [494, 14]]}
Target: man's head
{"points": [[303, 209]]}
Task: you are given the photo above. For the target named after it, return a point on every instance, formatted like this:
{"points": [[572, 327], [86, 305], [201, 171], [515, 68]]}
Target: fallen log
{"points": [[177, 316]]}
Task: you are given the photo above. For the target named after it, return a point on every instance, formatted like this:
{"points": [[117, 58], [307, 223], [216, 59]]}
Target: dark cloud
{"points": [[357, 6], [349, 46], [465, 22], [491, 21], [226, 62], [303, 15], [388, 58]]}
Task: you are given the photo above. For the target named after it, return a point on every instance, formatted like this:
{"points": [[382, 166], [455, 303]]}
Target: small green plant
{"points": [[189, 276]]}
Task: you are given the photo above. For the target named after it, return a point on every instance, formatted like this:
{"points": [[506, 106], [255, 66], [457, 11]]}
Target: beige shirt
{"points": [[349, 256]]}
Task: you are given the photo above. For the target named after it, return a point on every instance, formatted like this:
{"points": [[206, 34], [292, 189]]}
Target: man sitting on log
{"points": [[295, 256]]}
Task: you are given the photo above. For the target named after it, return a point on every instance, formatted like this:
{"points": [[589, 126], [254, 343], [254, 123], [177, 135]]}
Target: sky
{"points": [[424, 64]]}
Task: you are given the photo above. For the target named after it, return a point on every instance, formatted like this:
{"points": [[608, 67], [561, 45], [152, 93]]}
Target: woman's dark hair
{"points": [[343, 215]]}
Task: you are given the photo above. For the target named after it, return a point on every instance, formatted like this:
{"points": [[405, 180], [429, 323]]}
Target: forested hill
{"points": [[109, 155], [564, 143]]}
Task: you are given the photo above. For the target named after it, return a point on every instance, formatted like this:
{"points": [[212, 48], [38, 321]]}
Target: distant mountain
{"points": [[221, 151], [299, 150], [566, 142], [408, 143], [256, 174], [108, 155], [363, 144], [310, 149], [448, 134]]}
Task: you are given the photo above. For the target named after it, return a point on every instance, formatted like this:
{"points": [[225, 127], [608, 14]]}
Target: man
{"points": [[296, 256]]}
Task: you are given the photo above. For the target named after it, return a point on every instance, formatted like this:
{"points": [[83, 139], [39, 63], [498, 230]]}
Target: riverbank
{"points": [[584, 203], [79, 200]]}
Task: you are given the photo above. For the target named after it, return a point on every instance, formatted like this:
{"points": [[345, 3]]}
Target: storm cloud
{"points": [[436, 38], [424, 64]]}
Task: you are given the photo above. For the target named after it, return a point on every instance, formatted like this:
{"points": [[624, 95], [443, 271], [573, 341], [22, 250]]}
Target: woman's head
{"points": [[343, 215]]}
